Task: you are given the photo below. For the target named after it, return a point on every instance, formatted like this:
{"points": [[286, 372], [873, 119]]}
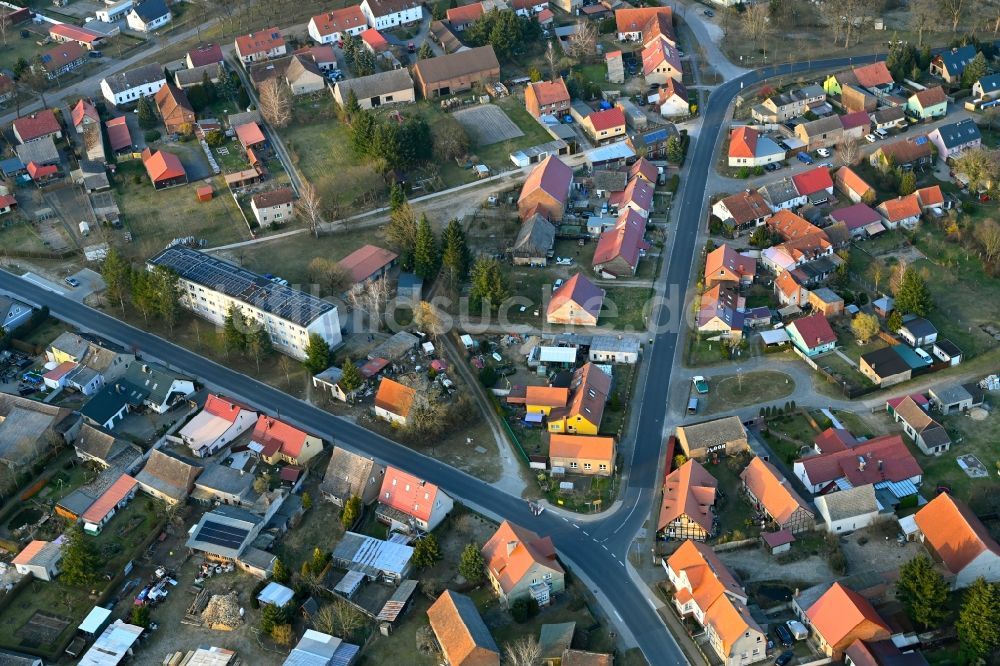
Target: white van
{"points": [[881, 133]]}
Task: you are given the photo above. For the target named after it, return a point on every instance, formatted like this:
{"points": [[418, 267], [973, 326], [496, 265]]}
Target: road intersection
{"points": [[596, 547]]}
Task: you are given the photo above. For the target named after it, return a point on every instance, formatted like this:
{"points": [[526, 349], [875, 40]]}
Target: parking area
{"points": [[487, 124], [77, 286]]}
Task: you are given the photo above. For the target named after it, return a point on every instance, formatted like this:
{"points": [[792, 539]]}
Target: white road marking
{"points": [[618, 615], [586, 532], [650, 602], [621, 563], [634, 507], [576, 526], [604, 547]]}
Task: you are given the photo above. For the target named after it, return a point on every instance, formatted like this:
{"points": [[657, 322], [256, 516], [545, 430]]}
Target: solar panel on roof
{"points": [[920, 140], [226, 536]]}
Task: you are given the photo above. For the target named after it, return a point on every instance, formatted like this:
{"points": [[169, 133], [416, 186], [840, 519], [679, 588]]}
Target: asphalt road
{"points": [[597, 549]]}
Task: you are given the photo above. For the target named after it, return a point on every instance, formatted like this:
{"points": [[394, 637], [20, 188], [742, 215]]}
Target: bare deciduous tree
{"points": [[522, 652], [849, 152], [309, 207], [552, 60], [923, 17], [372, 298], [878, 272], [339, 618], [275, 103], [582, 43], [756, 23], [4, 24], [428, 319], [329, 274], [988, 234], [952, 11]]}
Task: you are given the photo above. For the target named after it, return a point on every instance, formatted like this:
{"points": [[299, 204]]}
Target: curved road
{"points": [[597, 549]]}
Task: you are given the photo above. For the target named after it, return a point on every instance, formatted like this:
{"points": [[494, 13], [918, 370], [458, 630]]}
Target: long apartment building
{"points": [[210, 287]]}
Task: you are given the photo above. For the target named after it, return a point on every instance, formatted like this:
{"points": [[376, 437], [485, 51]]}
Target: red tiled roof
{"points": [[278, 197], [74, 33], [162, 165], [607, 119], [918, 398], [510, 565], [7, 200], [688, 491], [813, 180], [625, 240], [340, 20], [366, 261], [743, 142], [38, 172], [839, 612], [638, 191], [898, 464], [59, 56], [931, 97], [269, 431], [581, 291], [261, 41], [374, 39], [930, 196], [60, 370], [834, 439], [405, 492], [953, 532], [658, 52], [746, 206], [814, 330], [205, 55], [772, 490], [849, 181], [726, 257], [643, 168], [250, 134], [875, 74], [635, 20], [224, 408], [550, 92], [36, 125], [545, 15], [900, 208], [464, 14], [29, 552], [84, 109], [110, 499], [394, 397], [118, 134]]}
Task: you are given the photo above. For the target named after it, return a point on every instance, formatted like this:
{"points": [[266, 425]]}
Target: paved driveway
{"points": [[90, 281]]}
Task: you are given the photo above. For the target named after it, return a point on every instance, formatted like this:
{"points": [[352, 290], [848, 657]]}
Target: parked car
{"points": [[785, 636], [73, 282], [870, 138], [784, 658], [709, 13], [823, 152], [770, 167], [804, 157]]}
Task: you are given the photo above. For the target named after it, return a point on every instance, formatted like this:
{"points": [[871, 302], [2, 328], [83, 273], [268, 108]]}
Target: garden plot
{"points": [[42, 629], [487, 124]]}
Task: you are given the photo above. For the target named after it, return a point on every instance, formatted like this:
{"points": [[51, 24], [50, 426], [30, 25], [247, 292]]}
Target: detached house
{"points": [[167, 477], [275, 441], [812, 335], [582, 454], [987, 88], [589, 391], [905, 153], [463, 16], [689, 494], [148, 15], [771, 493], [747, 147], [394, 401], [928, 103], [577, 302], [842, 616], [721, 311], [661, 62], [925, 432], [336, 25], [546, 190], [743, 211], [706, 590], [394, 86], [619, 249], [672, 99], [262, 45], [219, 422], [273, 207], [884, 461], [605, 126], [61, 59], [547, 98], [164, 169], [950, 64], [644, 24], [954, 139], [782, 194], [814, 184], [522, 565], [408, 503], [37, 126], [724, 265], [903, 211], [955, 537]]}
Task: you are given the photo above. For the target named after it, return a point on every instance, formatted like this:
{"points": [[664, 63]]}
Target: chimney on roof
{"points": [[861, 463], [880, 465]]}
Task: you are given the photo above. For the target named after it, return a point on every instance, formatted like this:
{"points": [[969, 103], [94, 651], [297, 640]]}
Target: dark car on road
{"points": [[784, 658]]}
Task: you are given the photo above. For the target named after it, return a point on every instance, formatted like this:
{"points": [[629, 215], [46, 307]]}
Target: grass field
{"points": [[21, 237], [978, 438], [625, 308], [730, 391], [156, 217]]}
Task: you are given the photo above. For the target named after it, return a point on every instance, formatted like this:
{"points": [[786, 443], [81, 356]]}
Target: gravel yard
{"points": [[752, 564]]}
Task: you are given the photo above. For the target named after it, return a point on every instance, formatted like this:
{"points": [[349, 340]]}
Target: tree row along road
{"points": [[596, 549]]}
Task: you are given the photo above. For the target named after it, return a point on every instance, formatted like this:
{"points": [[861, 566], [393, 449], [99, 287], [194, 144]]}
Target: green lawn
{"points": [[978, 438], [844, 371], [732, 391], [730, 506], [156, 217], [626, 308], [22, 237], [795, 427]]}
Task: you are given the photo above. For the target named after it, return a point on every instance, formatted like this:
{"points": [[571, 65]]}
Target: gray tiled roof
{"points": [[848, 503]]}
